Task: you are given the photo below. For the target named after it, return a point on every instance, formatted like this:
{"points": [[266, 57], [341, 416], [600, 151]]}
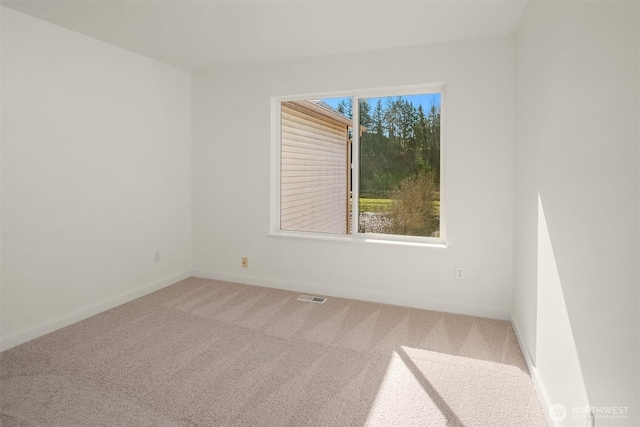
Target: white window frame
{"points": [[355, 236]]}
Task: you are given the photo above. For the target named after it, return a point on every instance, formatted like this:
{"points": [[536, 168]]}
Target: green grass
{"points": [[384, 205], [375, 205]]}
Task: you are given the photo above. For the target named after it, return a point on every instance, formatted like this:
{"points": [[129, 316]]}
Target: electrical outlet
{"points": [[156, 256], [245, 262], [459, 273]]}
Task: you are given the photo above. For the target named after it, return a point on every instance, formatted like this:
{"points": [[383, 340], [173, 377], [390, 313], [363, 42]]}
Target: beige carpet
{"points": [[209, 353]]}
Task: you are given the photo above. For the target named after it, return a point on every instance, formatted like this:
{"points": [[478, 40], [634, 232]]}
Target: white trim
{"points": [[367, 92], [357, 294], [356, 95], [91, 310], [276, 167], [443, 163], [355, 167], [533, 371], [360, 238]]}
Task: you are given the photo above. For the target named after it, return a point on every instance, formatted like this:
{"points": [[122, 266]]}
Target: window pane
{"points": [[400, 165], [315, 159]]}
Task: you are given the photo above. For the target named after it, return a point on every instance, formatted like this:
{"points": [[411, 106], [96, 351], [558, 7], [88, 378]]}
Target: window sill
{"points": [[358, 239]]}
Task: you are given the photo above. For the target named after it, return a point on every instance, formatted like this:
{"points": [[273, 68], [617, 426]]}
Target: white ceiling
{"points": [[197, 35]]}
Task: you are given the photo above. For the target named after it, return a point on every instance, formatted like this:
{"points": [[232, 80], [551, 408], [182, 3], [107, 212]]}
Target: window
{"points": [[382, 181]]}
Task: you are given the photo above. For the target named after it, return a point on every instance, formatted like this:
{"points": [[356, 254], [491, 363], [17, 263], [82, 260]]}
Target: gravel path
{"points": [[374, 222]]}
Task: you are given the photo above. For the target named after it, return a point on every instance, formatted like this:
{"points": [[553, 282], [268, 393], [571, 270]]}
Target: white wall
{"points": [[576, 205], [1, 9], [231, 130], [95, 176]]}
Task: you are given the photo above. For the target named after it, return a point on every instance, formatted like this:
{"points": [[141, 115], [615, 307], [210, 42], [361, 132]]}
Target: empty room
{"points": [[320, 213]]}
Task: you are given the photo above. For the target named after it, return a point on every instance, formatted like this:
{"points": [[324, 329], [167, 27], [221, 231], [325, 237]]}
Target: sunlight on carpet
{"points": [[422, 387], [211, 353]]}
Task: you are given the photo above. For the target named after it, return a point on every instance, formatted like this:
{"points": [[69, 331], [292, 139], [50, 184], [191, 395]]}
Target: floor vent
{"points": [[308, 298]]}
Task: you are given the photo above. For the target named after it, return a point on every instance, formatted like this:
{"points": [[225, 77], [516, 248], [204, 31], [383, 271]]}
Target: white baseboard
{"points": [[83, 313], [358, 294], [537, 382]]}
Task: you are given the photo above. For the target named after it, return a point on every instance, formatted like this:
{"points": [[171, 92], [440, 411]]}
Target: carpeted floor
{"points": [[209, 353]]}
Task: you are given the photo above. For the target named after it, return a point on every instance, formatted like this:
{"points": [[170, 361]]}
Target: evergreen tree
{"points": [[433, 140], [365, 114], [421, 132], [401, 141], [345, 109], [378, 118]]}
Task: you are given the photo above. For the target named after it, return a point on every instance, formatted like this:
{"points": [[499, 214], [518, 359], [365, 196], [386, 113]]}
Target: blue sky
{"points": [[426, 100]]}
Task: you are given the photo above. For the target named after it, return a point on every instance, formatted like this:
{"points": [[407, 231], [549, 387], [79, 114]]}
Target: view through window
{"points": [[395, 176]]}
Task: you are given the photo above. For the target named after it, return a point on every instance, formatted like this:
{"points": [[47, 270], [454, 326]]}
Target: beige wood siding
{"points": [[314, 171]]}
